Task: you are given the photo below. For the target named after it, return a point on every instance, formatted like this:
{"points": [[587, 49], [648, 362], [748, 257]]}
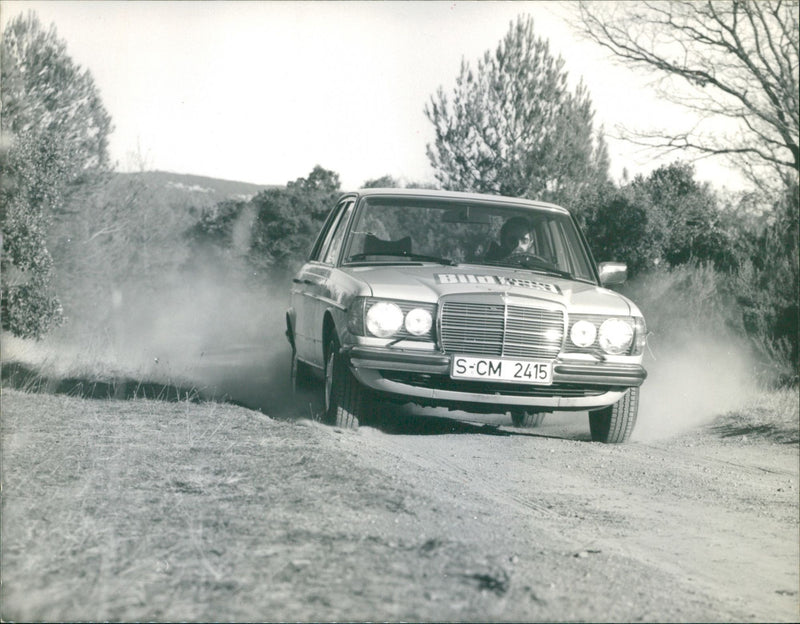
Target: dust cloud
{"points": [[218, 332], [691, 380], [221, 331], [212, 328]]}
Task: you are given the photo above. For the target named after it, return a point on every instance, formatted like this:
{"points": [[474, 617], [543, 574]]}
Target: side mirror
{"points": [[612, 273]]}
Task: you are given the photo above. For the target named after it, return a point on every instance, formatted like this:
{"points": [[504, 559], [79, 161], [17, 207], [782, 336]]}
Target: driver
{"points": [[515, 238]]}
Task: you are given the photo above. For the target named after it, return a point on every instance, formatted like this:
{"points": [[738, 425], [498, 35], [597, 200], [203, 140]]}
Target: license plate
{"points": [[496, 369]]}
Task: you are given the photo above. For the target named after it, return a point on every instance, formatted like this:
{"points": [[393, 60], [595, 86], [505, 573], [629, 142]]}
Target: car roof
{"points": [[456, 195]]}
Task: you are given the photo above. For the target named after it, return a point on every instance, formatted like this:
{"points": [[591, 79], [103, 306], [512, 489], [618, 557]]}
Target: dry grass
{"points": [[55, 359], [150, 511], [100, 511], [772, 415]]}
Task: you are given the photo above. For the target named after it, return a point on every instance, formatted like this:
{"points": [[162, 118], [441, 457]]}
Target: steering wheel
{"points": [[522, 258]]}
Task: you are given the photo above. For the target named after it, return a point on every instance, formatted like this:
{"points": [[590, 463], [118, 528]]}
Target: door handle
{"points": [[304, 281]]}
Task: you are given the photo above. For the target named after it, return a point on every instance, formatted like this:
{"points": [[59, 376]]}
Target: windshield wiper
{"points": [[554, 272], [360, 257], [534, 269]]}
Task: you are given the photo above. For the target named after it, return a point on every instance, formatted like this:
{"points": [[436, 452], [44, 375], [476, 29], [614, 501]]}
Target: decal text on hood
{"points": [[468, 278]]}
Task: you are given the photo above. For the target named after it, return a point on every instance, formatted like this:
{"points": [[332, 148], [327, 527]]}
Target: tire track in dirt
{"points": [[689, 513], [744, 465]]}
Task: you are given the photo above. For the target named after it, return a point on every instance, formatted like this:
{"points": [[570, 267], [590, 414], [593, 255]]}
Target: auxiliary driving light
{"points": [[418, 322], [583, 334]]}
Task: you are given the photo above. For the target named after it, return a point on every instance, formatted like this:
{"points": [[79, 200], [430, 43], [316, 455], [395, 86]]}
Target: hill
{"points": [[213, 189]]}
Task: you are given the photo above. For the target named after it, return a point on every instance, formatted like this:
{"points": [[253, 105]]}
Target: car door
{"points": [[309, 294], [327, 272]]}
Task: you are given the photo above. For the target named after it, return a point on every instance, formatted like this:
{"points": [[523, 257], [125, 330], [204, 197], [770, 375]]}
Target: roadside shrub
{"points": [[28, 311], [29, 191], [767, 287], [682, 302], [666, 218]]}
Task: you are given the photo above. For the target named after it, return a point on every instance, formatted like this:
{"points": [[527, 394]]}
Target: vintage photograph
{"points": [[399, 311]]}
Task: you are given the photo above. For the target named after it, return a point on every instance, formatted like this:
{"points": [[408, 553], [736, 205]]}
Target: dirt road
{"points": [[681, 530], [559, 528], [539, 524]]}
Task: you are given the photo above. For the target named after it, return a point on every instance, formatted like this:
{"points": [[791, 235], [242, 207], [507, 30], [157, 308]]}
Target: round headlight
{"points": [[418, 322], [583, 334], [384, 319], [616, 336]]}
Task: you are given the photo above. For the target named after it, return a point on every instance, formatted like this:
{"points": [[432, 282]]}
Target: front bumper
{"points": [[424, 377]]}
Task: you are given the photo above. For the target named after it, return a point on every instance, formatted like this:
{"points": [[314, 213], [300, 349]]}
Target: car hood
{"points": [[427, 283]]}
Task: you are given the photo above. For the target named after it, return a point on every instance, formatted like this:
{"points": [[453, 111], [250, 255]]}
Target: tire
{"points": [[345, 400], [614, 424], [527, 419]]}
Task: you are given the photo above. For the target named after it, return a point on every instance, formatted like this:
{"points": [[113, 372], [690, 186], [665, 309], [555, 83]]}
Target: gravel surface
{"points": [[141, 510]]}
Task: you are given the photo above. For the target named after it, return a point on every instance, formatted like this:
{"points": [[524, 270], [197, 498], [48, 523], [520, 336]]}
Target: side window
{"points": [[324, 238], [569, 245], [339, 231]]}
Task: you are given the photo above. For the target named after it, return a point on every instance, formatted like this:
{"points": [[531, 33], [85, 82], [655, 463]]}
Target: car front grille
{"points": [[501, 330]]}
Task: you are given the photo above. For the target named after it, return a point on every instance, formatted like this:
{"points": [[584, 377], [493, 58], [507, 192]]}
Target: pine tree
{"points": [[513, 126], [54, 139]]}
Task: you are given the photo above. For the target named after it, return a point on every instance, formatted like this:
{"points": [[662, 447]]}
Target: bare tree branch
{"points": [[734, 60]]}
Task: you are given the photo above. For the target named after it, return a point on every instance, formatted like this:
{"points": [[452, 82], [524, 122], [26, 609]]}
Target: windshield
{"points": [[400, 230]]}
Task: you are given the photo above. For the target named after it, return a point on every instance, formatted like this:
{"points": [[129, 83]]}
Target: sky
{"points": [[262, 92]]}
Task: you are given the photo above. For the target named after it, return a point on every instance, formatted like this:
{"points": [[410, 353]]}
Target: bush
{"points": [[665, 218], [767, 286], [623, 228], [28, 311]]}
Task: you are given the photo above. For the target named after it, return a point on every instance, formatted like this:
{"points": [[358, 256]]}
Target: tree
{"points": [[287, 220], [733, 61], [54, 138], [688, 213], [385, 181], [49, 98], [513, 126], [665, 218]]}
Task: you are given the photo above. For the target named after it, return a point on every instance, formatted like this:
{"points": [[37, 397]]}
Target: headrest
{"points": [[375, 245]]}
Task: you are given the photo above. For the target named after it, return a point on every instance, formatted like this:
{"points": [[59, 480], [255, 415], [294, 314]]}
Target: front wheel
{"points": [[614, 424], [345, 400]]}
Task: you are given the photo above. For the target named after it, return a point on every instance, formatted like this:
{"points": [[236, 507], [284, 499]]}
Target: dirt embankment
{"points": [[141, 510]]}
